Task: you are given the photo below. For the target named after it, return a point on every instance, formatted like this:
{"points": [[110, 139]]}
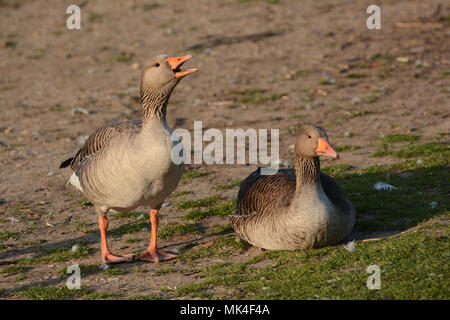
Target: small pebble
{"points": [[384, 186], [79, 110], [75, 248], [356, 100], [403, 59], [433, 204], [350, 246], [419, 161], [104, 266], [198, 102], [81, 140]]}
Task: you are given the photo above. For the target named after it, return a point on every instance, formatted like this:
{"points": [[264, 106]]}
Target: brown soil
{"points": [[283, 48]]}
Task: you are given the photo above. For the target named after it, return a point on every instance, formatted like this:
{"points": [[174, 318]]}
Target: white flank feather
{"points": [[74, 181]]}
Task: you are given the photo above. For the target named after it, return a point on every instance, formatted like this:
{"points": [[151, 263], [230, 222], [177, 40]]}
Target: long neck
{"points": [[154, 104], [307, 170]]}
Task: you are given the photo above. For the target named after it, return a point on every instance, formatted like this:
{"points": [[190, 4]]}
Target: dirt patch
{"points": [[312, 63]]}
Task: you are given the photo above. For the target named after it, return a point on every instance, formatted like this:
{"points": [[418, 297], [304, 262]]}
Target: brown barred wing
{"points": [[264, 194], [98, 139]]}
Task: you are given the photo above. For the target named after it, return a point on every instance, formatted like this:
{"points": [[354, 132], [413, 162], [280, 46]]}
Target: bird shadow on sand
{"points": [[214, 41]]}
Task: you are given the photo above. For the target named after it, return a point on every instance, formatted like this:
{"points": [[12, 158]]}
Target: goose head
{"points": [[163, 72], [313, 142]]}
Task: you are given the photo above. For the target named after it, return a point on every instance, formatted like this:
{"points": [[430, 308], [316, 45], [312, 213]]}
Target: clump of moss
{"points": [[169, 231], [193, 175], [53, 293], [222, 210], [200, 203], [399, 137]]}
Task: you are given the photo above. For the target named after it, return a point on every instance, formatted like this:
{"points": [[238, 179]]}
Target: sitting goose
{"points": [[125, 165], [297, 208]]}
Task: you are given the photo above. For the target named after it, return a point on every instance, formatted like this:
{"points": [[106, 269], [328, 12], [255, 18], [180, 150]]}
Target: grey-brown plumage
{"points": [[98, 139], [125, 165], [295, 208]]}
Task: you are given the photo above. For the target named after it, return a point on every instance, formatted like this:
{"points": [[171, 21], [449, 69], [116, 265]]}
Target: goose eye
{"points": [[156, 64], [309, 137]]}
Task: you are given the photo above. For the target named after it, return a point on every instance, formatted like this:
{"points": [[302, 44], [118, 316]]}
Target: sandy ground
{"points": [[381, 81]]}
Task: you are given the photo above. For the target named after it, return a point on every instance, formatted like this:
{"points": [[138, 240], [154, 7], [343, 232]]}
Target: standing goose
{"points": [[297, 208], [125, 165]]}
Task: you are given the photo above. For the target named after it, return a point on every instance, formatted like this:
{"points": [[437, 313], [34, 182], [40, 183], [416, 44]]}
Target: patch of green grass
{"points": [[165, 271], [254, 96], [220, 247], [181, 193], [133, 215], [346, 147], [221, 210], [85, 269], [132, 240], [151, 6], [247, 92], [337, 169], [414, 150], [407, 263], [52, 293], [200, 203], [122, 58], [13, 269], [129, 228], [115, 271], [169, 231], [95, 17], [356, 75], [20, 278], [382, 150], [193, 175], [261, 99], [195, 290], [231, 185], [102, 296], [58, 255], [9, 235], [140, 270], [266, 1], [224, 229], [326, 82], [361, 113], [85, 203], [84, 227], [399, 137], [144, 297]]}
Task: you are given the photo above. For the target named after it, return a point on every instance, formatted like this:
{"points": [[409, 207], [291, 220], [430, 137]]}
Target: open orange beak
{"points": [[176, 62], [324, 149]]}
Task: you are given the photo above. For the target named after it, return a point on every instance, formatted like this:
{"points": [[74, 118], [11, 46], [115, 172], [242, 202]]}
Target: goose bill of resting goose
{"points": [[297, 208], [125, 165]]}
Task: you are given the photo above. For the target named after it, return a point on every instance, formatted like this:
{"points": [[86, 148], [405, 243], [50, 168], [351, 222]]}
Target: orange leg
{"points": [[153, 254], [107, 256]]}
